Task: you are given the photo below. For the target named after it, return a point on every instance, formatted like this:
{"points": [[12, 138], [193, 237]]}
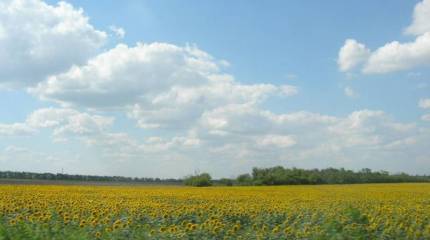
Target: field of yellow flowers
{"points": [[374, 211]]}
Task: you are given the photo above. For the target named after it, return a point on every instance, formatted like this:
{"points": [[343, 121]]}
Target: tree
{"points": [[199, 180], [244, 179], [226, 182]]}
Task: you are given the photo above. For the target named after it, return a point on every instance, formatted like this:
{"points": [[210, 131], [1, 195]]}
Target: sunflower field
{"points": [[373, 211]]}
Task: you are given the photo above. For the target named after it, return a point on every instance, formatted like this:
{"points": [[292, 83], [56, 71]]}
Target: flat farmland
{"points": [[364, 211]]}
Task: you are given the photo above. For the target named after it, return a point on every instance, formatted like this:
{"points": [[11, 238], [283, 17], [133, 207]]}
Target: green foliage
{"points": [[260, 176], [244, 179], [226, 182], [199, 180], [284, 176], [355, 226], [70, 177]]}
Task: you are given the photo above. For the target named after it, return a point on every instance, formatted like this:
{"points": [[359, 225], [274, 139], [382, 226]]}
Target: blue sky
{"points": [[163, 88]]}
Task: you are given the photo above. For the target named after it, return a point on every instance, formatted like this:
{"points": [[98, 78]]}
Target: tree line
{"points": [[291, 176], [259, 176], [77, 177], [294, 176]]}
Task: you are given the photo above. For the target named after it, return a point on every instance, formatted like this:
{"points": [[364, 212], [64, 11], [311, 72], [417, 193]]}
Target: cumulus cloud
{"points": [[239, 136], [160, 85], [301, 137], [15, 129], [65, 123], [243, 135], [424, 103], [421, 17], [39, 39], [351, 55], [362, 138], [213, 121], [276, 140], [396, 56], [370, 129], [289, 90], [125, 75], [393, 56], [53, 117], [361, 128], [119, 32]]}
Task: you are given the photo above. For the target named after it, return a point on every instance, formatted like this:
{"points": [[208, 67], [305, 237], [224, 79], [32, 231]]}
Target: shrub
{"points": [[199, 180], [244, 179], [226, 182]]}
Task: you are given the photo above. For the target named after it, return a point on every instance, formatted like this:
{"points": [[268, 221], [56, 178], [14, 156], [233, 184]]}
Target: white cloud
{"points": [[38, 40], [351, 55], [349, 92], [240, 136], [424, 103], [421, 19], [119, 32], [53, 117], [240, 124], [368, 128], [68, 122], [181, 107], [363, 138], [65, 123], [126, 75], [214, 122], [18, 158], [289, 90], [393, 56], [15, 129], [14, 149], [229, 139], [277, 140], [160, 85]]}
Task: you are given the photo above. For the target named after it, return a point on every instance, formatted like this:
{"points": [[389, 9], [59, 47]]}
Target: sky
{"points": [[166, 89]]}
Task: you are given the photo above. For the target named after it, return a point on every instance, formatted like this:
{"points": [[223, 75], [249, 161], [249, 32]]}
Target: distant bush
{"points": [[226, 182], [199, 180], [244, 179]]}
